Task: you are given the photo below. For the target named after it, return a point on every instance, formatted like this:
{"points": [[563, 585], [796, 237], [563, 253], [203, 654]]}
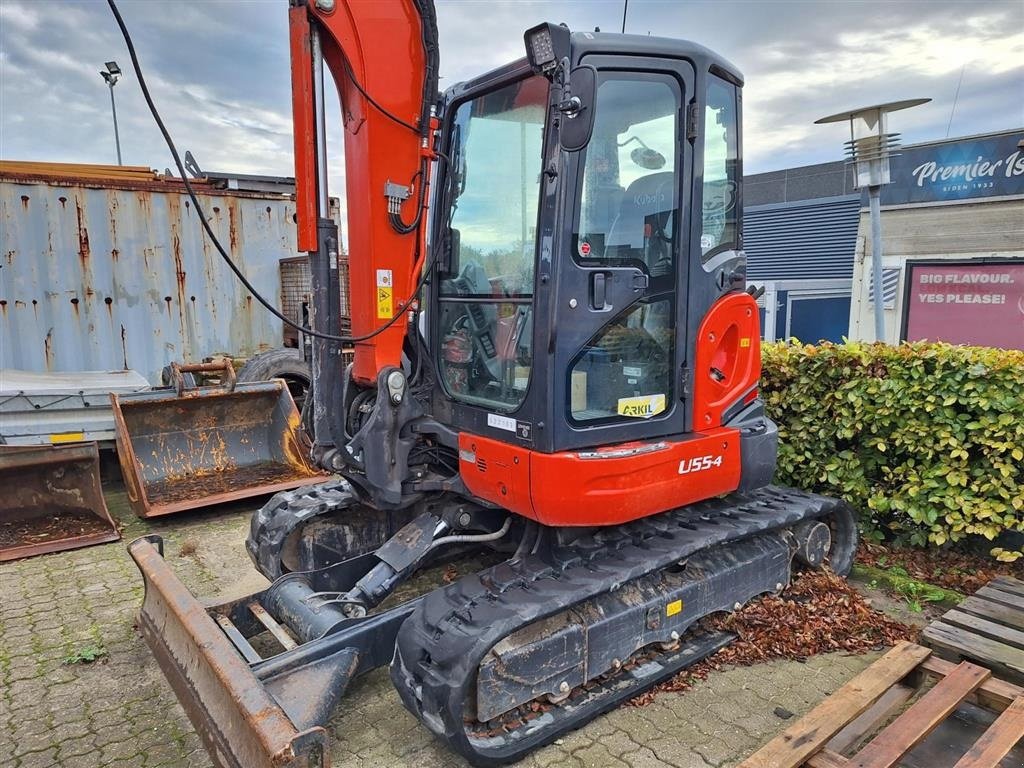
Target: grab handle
{"points": [[222, 366]]}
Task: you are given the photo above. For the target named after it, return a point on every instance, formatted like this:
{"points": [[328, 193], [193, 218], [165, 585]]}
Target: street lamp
{"points": [[110, 76], [869, 149]]}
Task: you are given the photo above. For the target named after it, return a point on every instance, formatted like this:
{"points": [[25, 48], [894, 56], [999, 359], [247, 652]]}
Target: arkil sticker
{"points": [[642, 407]]}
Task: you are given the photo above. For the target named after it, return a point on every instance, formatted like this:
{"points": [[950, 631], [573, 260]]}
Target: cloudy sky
{"points": [[219, 72]]}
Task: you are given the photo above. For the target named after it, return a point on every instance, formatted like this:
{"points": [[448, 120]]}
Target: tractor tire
{"points": [[287, 364]]}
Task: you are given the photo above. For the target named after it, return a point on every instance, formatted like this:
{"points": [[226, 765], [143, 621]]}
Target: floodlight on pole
{"points": [[869, 149], [110, 76]]}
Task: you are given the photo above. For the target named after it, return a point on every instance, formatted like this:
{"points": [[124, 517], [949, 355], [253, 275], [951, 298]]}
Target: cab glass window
{"points": [[721, 168], [486, 293], [629, 204], [625, 370]]}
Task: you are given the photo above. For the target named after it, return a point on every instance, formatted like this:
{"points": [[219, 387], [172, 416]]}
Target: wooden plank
{"points": [[998, 740], [271, 624], [1009, 584], [828, 759], [809, 734], [891, 703], [997, 612], [1004, 659], [993, 694], [990, 629], [1006, 598], [910, 728]]}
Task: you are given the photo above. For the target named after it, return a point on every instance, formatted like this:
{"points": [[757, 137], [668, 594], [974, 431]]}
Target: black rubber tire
{"points": [[845, 539], [285, 363]]}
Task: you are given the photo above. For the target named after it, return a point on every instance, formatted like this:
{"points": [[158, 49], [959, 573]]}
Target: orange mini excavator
{"points": [[556, 363]]}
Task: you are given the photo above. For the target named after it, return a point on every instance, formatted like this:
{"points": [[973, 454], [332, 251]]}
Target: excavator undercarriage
{"points": [[499, 662]]}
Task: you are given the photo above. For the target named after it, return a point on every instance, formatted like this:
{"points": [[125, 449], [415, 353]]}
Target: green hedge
{"points": [[926, 440]]}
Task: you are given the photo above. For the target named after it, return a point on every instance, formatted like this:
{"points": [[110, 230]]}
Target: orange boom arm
{"points": [[384, 52]]}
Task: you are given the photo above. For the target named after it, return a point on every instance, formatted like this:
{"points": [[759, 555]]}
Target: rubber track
{"points": [[287, 511], [441, 645]]}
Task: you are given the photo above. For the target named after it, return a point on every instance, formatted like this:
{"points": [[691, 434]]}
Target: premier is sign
{"points": [[980, 303], [964, 169], [981, 170]]}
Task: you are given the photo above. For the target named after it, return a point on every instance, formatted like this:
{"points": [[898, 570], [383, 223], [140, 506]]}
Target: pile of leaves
{"points": [[945, 568], [818, 613]]}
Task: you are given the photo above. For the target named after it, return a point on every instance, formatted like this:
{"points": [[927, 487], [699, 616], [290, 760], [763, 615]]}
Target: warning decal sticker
{"points": [[385, 295]]}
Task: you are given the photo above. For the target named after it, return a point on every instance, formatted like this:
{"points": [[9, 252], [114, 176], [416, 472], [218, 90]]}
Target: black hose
{"points": [[373, 102], [209, 230]]}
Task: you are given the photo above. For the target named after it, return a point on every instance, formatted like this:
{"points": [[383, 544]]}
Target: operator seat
{"points": [[649, 200]]}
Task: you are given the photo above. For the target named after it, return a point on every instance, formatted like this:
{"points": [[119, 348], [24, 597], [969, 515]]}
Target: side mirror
{"points": [[577, 123]]}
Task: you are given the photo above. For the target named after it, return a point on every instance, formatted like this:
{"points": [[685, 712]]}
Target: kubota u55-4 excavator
{"points": [[556, 359]]}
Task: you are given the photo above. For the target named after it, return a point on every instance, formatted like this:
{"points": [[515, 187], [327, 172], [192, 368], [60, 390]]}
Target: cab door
{"points": [[620, 293]]}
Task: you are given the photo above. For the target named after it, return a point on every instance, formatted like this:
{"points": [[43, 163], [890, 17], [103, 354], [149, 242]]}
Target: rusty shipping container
{"points": [[107, 268]]}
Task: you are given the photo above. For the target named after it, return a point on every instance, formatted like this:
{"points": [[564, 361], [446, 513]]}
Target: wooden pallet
{"points": [[987, 628], [833, 734]]}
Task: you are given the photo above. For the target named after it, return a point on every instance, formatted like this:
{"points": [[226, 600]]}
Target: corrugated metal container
{"points": [[114, 273]]}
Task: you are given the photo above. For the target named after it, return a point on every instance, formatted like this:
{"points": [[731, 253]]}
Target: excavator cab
{"points": [[555, 359], [587, 210]]}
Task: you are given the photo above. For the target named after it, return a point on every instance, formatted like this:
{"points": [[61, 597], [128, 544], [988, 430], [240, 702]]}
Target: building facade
{"points": [[800, 236], [952, 245]]}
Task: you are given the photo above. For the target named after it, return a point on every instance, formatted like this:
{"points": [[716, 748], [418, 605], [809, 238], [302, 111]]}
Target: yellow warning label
{"points": [[67, 437], [385, 308], [673, 608], [745, 342], [642, 407]]}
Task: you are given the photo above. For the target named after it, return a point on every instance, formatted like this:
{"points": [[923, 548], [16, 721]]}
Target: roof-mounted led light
{"points": [[546, 45]]}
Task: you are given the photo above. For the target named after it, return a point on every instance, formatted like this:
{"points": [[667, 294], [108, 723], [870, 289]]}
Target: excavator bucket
{"points": [[190, 447], [51, 500]]}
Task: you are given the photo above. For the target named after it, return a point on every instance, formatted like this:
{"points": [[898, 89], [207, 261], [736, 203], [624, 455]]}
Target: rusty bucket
{"points": [[51, 500], [190, 447]]}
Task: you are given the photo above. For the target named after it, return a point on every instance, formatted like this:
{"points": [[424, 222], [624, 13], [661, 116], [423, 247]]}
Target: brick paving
{"points": [[119, 712]]}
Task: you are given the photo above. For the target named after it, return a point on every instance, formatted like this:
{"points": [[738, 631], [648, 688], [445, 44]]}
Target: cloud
{"points": [[220, 71]]}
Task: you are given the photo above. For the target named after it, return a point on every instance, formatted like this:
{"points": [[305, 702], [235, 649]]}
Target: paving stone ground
{"points": [[119, 712]]}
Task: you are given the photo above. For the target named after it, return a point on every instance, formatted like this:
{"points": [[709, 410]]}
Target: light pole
{"points": [[111, 76], [869, 149]]}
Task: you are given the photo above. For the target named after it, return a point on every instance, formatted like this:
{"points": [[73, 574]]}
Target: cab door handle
{"points": [[599, 291]]}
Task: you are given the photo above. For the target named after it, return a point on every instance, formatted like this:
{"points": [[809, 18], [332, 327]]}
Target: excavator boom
{"points": [[383, 59]]}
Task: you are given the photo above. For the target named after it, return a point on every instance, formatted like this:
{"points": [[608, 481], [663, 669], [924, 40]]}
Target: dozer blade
{"points": [[51, 500], [241, 724], [251, 711], [184, 448]]}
